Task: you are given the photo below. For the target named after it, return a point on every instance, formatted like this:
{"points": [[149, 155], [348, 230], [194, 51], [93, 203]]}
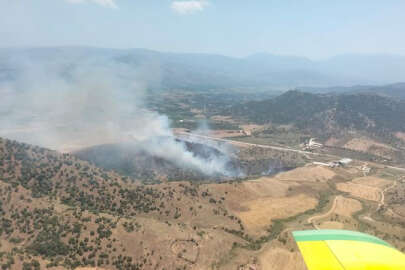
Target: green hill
{"points": [[324, 113]]}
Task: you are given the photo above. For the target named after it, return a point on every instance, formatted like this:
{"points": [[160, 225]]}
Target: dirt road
{"points": [[382, 200], [314, 218]]}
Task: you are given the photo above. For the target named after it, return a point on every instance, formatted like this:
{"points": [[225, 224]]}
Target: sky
{"points": [[316, 29]]}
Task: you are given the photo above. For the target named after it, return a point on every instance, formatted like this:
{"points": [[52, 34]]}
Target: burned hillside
{"points": [[131, 160]]}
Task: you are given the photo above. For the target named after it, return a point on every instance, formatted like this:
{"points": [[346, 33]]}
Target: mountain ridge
{"points": [[202, 71]]}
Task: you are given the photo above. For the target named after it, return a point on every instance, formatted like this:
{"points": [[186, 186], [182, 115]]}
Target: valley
{"points": [[203, 178]]}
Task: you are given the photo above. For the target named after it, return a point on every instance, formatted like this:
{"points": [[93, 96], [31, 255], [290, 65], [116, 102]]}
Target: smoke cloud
{"points": [[69, 104]]}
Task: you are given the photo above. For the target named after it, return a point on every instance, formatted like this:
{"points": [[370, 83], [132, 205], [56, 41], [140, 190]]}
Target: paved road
{"points": [[238, 143], [279, 148]]}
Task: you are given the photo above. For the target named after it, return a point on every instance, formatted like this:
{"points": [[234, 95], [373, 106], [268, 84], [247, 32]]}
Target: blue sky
{"points": [[313, 28]]}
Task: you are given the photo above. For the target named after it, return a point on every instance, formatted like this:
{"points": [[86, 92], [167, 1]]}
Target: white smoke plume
{"points": [[69, 104]]}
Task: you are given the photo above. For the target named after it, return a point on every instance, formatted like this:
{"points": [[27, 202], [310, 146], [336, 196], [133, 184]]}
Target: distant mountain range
{"points": [[206, 71]]}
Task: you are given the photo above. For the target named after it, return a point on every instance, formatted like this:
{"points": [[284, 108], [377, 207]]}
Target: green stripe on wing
{"points": [[320, 235]]}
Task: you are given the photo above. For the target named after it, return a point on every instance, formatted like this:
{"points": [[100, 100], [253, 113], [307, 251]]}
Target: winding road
{"points": [[314, 218], [382, 200]]}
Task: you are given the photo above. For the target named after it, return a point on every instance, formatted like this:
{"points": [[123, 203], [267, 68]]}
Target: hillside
{"points": [[324, 114], [396, 90], [58, 211], [127, 159]]}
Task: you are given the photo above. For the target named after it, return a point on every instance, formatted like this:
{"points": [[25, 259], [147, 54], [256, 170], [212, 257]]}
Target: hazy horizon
{"points": [[202, 53], [316, 30]]}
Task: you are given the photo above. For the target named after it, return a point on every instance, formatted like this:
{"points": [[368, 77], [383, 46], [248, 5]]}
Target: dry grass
{"points": [[332, 141], [260, 212], [372, 181], [274, 258], [364, 144], [307, 174], [236, 193], [267, 186], [331, 225], [346, 206], [370, 146], [258, 201], [399, 210], [196, 240], [360, 191]]}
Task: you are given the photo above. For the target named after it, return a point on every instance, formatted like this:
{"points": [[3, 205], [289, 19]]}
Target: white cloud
{"points": [[104, 3], [188, 7]]}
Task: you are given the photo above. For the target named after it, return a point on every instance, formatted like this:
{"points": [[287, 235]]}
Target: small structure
{"points": [[345, 161], [365, 169], [312, 144], [333, 164]]}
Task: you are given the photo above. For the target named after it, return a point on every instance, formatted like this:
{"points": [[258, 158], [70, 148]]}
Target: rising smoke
{"points": [[66, 105]]}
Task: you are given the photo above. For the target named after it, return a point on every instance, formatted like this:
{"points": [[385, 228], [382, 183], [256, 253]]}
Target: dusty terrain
{"points": [[112, 223]]}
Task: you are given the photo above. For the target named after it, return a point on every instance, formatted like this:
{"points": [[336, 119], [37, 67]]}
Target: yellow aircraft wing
{"points": [[347, 250]]}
